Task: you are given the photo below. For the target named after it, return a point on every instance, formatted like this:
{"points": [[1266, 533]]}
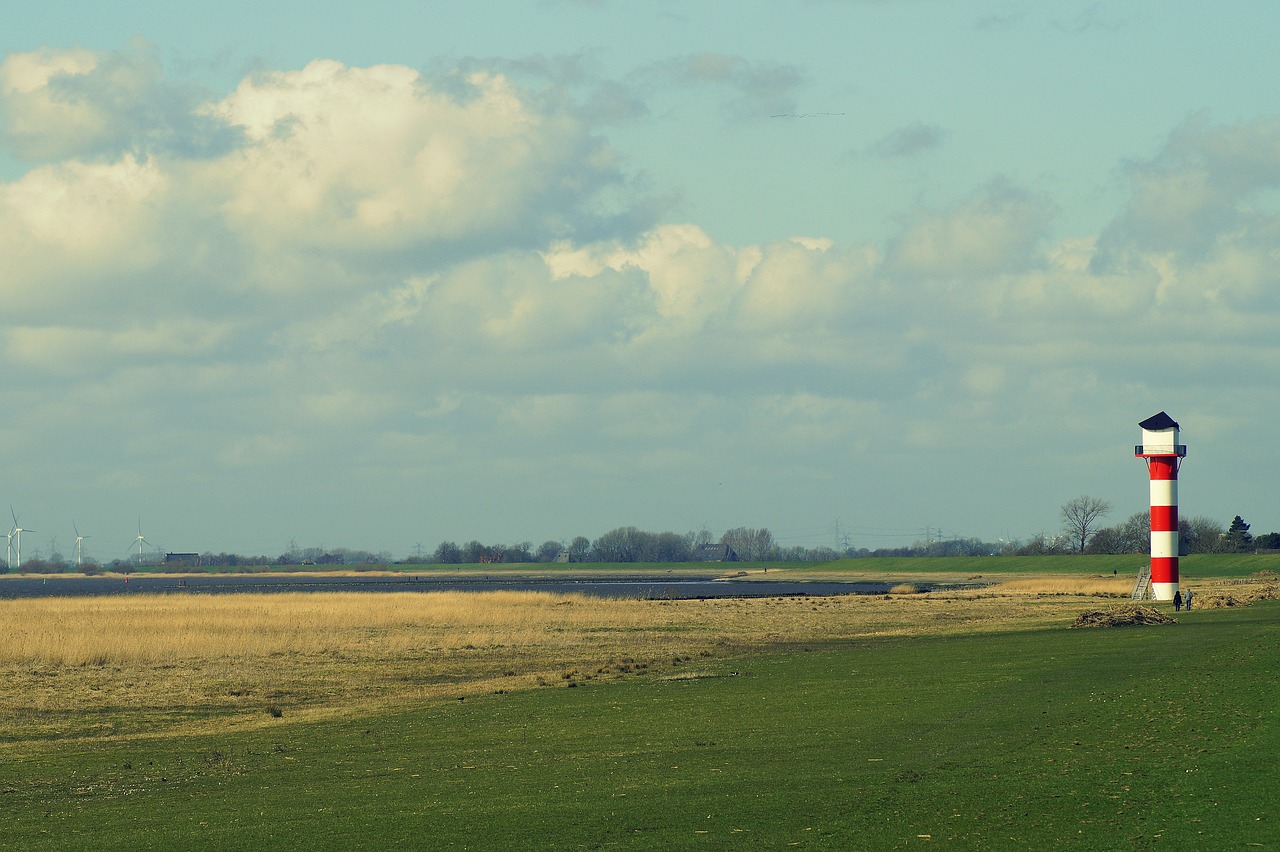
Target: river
{"points": [[639, 587]]}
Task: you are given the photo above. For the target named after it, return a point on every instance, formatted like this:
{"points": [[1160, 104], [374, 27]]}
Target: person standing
{"points": [[1177, 601], [1186, 602]]}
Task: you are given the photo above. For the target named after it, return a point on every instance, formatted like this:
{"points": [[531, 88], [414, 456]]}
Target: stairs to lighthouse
{"points": [[1142, 588]]}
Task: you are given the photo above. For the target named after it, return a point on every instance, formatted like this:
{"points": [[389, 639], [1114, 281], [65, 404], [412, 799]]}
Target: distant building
{"points": [[562, 556], [714, 553], [187, 560]]}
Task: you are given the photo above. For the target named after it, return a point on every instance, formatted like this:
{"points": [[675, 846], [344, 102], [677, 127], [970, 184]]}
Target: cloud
{"points": [[341, 177], [71, 230], [58, 104], [451, 283], [1207, 186], [997, 229], [754, 89], [909, 140], [372, 159], [72, 350]]}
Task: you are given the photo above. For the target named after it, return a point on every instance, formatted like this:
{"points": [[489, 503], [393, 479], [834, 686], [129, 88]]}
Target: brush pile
{"points": [[1122, 615], [1242, 595]]}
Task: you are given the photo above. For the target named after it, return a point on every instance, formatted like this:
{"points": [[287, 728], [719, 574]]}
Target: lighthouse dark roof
{"points": [[1158, 421]]}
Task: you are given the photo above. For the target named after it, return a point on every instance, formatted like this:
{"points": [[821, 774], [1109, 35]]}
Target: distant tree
{"points": [[1044, 545], [670, 547], [1238, 538], [447, 553], [518, 552], [1133, 535], [617, 545], [474, 551], [548, 551], [580, 549], [1108, 540], [1008, 547], [1136, 531], [738, 540], [1080, 517], [960, 547], [1199, 534], [1268, 541], [751, 545], [762, 545]]}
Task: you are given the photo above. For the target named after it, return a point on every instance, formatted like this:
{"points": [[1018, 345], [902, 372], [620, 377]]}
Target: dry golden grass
{"points": [[1238, 593], [158, 629], [1103, 587], [126, 666]]}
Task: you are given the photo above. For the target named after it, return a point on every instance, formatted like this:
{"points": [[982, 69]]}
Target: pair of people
{"points": [[1179, 600]]}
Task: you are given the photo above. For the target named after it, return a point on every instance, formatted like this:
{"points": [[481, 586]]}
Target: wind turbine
{"points": [[140, 540], [17, 534], [79, 538]]}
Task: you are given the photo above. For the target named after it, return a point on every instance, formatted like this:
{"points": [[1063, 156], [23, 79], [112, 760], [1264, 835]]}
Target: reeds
{"points": [[130, 665], [1102, 587], [170, 629]]}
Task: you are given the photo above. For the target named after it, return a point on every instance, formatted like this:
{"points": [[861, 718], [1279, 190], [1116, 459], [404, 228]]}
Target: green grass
{"points": [[1130, 738], [1194, 566]]}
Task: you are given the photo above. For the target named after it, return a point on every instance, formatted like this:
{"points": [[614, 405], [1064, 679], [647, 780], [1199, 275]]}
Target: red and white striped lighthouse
{"points": [[1163, 454]]}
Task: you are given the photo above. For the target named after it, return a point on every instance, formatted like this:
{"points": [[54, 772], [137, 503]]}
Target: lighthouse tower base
{"points": [[1163, 591]]}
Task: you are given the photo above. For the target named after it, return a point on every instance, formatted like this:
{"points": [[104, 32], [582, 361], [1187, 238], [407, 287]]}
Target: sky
{"points": [[863, 272]]}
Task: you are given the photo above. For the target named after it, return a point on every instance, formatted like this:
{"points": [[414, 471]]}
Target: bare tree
{"points": [[751, 545], [1080, 518], [1203, 535], [1137, 532], [579, 549], [549, 550]]}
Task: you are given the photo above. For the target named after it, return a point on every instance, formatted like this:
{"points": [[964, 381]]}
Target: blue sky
{"points": [[384, 275]]}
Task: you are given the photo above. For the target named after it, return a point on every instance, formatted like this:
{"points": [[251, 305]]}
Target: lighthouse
{"points": [[1163, 454]]}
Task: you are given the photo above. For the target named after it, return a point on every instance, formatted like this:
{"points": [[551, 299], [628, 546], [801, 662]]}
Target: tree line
{"points": [[631, 544], [1082, 532]]}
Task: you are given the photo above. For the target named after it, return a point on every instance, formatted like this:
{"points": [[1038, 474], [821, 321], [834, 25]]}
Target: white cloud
{"points": [[77, 350], [66, 227], [996, 230], [388, 275], [375, 160], [805, 285], [58, 104], [688, 276], [38, 123], [1207, 187]]}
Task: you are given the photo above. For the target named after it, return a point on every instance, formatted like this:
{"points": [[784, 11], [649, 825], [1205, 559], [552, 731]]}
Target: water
{"points": [[635, 588]]}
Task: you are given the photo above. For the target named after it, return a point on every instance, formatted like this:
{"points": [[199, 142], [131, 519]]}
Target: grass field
{"points": [[1198, 566], [1195, 566], [974, 720]]}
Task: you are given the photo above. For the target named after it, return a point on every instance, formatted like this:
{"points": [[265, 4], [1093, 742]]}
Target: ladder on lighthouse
{"points": [[1142, 588]]}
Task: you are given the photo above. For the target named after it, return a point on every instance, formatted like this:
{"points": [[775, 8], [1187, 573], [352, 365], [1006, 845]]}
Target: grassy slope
{"points": [[1194, 567], [1093, 739]]}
